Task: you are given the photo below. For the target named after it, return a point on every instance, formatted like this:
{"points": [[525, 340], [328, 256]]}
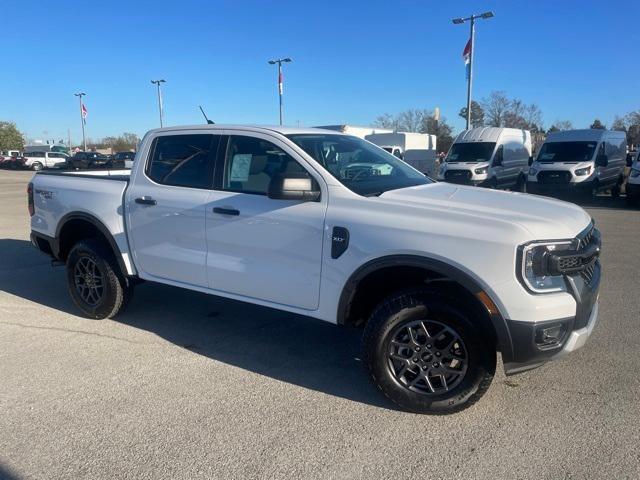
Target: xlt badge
{"points": [[339, 241]]}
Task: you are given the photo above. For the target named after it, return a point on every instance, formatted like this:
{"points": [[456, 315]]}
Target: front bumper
{"points": [[571, 187], [465, 180], [535, 343]]}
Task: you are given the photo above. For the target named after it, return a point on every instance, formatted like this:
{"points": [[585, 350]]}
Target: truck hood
{"points": [[544, 218]]}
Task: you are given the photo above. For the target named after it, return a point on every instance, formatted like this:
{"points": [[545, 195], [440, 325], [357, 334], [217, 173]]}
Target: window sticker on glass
{"points": [[547, 156], [240, 167]]}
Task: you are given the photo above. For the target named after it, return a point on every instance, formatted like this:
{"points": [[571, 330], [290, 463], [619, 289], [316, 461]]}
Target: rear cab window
{"points": [[183, 160]]}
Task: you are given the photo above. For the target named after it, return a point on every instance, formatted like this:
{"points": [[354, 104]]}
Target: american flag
{"points": [[83, 109], [466, 56]]}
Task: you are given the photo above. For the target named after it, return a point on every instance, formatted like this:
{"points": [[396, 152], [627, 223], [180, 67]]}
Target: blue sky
{"points": [[353, 60]]}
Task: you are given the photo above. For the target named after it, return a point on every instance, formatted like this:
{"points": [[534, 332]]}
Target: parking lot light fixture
{"points": [[160, 106], [279, 62], [472, 20]]}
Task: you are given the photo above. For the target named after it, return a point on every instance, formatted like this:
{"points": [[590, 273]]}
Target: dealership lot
{"points": [[185, 385]]}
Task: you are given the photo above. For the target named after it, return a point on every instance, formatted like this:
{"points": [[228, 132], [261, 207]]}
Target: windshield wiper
{"points": [[373, 194]]}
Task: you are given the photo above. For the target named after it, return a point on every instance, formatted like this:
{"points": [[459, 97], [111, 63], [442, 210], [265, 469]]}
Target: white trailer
{"points": [[417, 149], [360, 132]]}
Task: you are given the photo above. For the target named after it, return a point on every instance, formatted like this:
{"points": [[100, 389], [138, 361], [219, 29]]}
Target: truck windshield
{"points": [[471, 152], [360, 166], [567, 151]]}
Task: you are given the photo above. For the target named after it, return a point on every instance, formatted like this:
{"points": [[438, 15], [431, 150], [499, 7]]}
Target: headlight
{"points": [[534, 270], [634, 173], [481, 170], [533, 172], [580, 172]]}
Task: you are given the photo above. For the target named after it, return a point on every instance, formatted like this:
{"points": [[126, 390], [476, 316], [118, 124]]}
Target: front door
{"points": [[167, 202], [259, 247]]}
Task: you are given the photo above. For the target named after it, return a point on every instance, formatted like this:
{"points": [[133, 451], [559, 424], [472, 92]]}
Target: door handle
{"points": [[226, 211], [146, 201]]}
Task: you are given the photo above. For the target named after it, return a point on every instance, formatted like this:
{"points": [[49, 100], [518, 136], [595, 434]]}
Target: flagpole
{"points": [[472, 50], [470, 79], [84, 139]]}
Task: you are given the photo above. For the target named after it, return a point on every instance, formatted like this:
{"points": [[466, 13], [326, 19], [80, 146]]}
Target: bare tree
{"points": [[561, 125], [386, 120], [495, 106], [618, 124], [419, 120], [477, 114]]}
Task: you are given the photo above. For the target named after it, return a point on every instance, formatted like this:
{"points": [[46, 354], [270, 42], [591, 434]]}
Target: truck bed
{"points": [[94, 194]]}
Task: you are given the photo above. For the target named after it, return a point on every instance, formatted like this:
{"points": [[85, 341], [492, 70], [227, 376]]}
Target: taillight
{"points": [[30, 204]]}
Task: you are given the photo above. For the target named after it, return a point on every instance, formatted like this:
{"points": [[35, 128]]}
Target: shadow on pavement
{"points": [[7, 474], [303, 351]]}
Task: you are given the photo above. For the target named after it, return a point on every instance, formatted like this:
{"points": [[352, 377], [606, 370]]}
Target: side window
{"points": [[252, 162], [498, 157], [183, 160]]}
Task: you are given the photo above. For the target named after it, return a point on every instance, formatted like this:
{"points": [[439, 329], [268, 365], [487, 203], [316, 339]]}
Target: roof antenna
{"points": [[209, 122]]}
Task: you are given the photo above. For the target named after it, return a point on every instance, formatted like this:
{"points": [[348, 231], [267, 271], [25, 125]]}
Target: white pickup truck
{"points": [[442, 277]]}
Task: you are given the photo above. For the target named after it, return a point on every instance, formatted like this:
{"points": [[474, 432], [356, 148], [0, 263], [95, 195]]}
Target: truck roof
{"points": [[256, 128], [582, 135], [486, 134]]}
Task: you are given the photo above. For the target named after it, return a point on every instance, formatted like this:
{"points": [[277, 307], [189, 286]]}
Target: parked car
{"points": [[579, 161], [488, 157], [88, 160], [441, 276], [124, 159], [40, 159], [632, 188]]}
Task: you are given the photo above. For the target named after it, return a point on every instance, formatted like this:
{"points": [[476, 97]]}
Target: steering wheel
{"points": [[368, 170]]}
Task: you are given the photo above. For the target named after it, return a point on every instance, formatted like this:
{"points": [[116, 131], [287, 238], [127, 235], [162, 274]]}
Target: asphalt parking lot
{"points": [[185, 385]]}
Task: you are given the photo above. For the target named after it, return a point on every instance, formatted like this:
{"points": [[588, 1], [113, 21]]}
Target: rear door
{"points": [[166, 204], [258, 247]]}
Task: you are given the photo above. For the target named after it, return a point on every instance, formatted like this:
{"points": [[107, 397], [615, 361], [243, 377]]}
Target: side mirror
{"points": [[530, 161], [602, 161], [294, 186]]}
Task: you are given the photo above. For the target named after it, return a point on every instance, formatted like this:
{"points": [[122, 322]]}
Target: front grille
{"points": [[457, 175], [587, 273], [590, 236], [568, 263], [553, 177]]}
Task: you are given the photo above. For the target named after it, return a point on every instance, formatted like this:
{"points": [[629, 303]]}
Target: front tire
{"points": [[426, 355], [94, 281], [37, 166]]}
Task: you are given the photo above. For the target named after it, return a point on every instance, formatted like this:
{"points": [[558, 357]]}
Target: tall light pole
{"points": [[280, 61], [82, 120], [160, 108], [472, 37]]}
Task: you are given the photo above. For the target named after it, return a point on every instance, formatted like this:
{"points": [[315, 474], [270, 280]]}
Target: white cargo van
{"points": [[579, 161], [633, 182], [488, 157]]}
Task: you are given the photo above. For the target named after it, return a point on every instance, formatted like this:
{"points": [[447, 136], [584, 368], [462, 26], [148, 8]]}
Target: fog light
{"points": [[551, 335]]}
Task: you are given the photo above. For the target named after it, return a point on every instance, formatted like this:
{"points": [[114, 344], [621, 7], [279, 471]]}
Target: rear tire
{"points": [[94, 280], [442, 373], [521, 184]]}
